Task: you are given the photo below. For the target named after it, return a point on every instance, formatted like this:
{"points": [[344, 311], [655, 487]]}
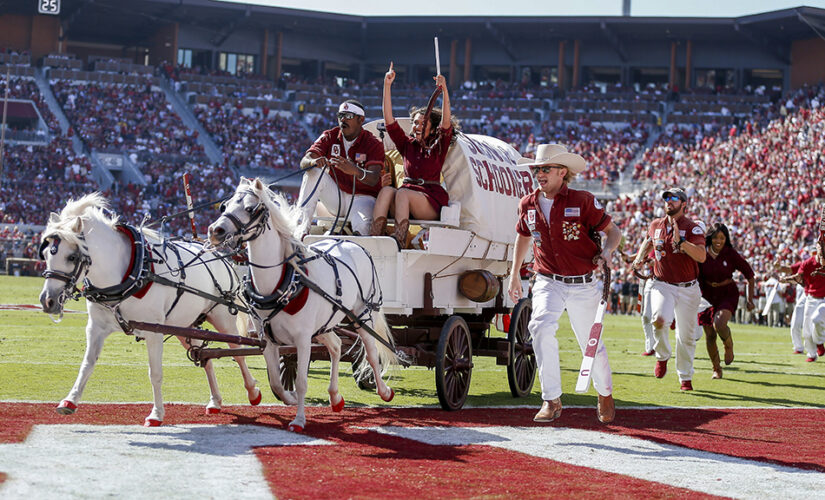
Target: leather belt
{"points": [[584, 278], [682, 284], [417, 182]]}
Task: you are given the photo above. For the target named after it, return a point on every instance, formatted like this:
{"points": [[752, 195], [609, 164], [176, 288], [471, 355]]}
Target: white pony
{"points": [[85, 242], [291, 312]]}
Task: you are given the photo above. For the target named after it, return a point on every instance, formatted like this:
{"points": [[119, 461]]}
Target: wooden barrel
{"points": [[478, 285]]}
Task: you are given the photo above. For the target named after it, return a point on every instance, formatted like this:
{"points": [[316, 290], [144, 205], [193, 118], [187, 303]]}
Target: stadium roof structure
{"points": [[132, 23]]}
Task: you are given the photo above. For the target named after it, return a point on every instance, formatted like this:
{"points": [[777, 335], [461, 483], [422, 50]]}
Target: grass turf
{"points": [[39, 361]]}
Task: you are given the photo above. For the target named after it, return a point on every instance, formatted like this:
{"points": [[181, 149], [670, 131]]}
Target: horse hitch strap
{"points": [[136, 279]]}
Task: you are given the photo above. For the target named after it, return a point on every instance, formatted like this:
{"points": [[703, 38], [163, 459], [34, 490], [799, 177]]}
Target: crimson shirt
{"points": [[562, 245], [814, 285], [365, 151], [669, 266], [715, 270], [419, 166]]}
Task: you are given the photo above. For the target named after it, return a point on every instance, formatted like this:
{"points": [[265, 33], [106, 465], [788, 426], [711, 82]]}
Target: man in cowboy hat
{"points": [[354, 158], [678, 244], [561, 223]]}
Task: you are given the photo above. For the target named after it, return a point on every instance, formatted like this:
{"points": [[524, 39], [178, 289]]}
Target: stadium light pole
{"points": [[3, 125]]}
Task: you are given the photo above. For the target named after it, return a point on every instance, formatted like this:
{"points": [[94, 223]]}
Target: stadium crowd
{"points": [[259, 139], [739, 174], [121, 116]]}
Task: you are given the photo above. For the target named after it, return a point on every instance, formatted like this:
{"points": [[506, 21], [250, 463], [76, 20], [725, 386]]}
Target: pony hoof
{"points": [[257, 399], [339, 405], [295, 428], [152, 422], [66, 407], [212, 411], [389, 398]]}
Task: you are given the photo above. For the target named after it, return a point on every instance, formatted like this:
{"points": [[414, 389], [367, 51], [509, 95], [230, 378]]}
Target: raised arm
{"points": [[387, 104], [446, 117]]}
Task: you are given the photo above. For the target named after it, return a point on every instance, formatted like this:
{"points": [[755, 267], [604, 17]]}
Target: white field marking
{"points": [[116, 461], [673, 465]]}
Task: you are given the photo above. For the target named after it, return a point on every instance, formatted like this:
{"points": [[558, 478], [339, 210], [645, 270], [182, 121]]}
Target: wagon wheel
{"points": [[289, 371], [453, 363], [521, 370]]}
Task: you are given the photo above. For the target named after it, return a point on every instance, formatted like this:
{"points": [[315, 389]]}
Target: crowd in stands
{"points": [[131, 117], [26, 88], [258, 139], [56, 161], [764, 183], [17, 243], [762, 176], [607, 150]]}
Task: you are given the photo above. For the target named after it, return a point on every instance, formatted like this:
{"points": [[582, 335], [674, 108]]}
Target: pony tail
{"points": [[386, 355]]}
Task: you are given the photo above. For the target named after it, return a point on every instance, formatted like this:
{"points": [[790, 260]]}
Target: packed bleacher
{"points": [[26, 88], [760, 170], [255, 139], [109, 116], [765, 183]]}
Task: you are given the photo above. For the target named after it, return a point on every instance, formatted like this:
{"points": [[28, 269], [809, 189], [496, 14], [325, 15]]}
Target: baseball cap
{"points": [[677, 192]]}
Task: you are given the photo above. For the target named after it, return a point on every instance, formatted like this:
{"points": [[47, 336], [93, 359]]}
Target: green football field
{"points": [[39, 360]]}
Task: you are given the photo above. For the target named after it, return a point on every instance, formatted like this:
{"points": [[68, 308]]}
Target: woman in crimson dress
{"points": [[718, 288], [421, 194]]}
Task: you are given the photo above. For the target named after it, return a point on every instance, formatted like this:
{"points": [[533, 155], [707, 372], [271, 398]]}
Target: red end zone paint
{"points": [[368, 464]]}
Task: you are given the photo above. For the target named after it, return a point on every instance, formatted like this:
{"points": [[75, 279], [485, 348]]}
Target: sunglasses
{"points": [[672, 198], [346, 116], [545, 168]]}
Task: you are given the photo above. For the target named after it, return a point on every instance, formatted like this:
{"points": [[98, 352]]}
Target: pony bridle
{"points": [[81, 265], [245, 232]]}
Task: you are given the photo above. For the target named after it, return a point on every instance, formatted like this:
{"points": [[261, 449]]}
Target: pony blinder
{"points": [[52, 246]]}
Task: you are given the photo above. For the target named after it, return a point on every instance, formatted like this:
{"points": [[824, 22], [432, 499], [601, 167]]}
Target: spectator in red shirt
{"points": [[559, 222], [678, 244]]}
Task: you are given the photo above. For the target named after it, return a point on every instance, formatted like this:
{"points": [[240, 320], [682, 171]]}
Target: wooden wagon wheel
{"points": [[453, 363], [521, 370], [289, 370]]}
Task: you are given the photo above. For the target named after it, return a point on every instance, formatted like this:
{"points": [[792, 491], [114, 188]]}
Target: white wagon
{"points": [[442, 297]]}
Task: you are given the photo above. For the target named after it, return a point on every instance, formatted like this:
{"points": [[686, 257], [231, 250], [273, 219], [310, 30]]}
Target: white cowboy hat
{"points": [[555, 154]]}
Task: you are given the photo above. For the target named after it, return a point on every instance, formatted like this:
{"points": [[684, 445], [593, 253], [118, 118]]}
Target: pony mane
{"points": [[93, 206], [283, 216]]}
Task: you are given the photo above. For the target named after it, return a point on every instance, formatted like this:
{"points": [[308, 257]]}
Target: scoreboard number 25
{"points": [[48, 7]]}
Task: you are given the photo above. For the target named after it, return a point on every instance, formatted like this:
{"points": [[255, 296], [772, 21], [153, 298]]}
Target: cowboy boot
{"points": [[401, 232], [379, 226], [713, 354]]}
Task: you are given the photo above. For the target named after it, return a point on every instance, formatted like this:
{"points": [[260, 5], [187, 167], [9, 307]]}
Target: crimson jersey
{"points": [[562, 245], [668, 265], [367, 150], [814, 285]]}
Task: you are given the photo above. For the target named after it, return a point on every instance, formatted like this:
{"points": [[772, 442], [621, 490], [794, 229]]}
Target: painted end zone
{"points": [[469, 453]]}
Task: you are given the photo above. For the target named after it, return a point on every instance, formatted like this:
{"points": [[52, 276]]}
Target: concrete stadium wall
{"points": [[808, 62]]}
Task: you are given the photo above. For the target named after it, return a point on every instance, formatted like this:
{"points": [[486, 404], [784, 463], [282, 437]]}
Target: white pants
{"points": [[682, 303], [813, 326], [647, 315], [334, 200], [550, 299], [797, 318]]}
